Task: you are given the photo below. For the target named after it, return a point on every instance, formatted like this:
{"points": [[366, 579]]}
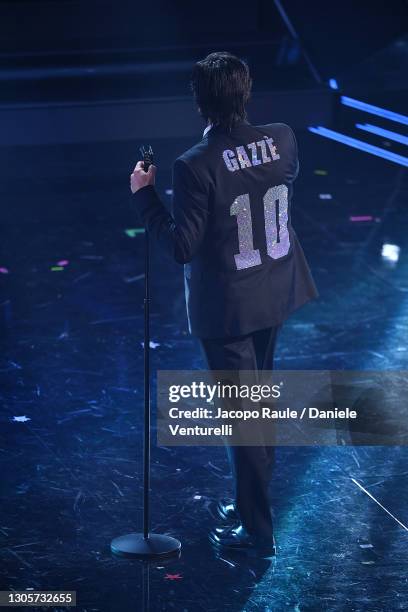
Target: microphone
{"points": [[147, 154]]}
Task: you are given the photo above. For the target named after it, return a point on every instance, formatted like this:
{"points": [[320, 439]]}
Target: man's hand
{"points": [[139, 178]]}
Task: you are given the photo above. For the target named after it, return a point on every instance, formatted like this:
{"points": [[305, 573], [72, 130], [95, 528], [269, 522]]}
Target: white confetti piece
{"points": [[21, 419], [152, 344]]}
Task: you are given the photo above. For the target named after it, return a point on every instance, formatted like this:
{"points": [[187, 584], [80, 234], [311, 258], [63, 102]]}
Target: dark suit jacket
{"points": [[231, 226]]}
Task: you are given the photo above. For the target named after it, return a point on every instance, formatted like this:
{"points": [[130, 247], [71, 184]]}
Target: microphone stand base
{"points": [[136, 546]]}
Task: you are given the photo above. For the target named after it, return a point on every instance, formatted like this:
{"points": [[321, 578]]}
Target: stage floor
{"points": [[72, 399]]}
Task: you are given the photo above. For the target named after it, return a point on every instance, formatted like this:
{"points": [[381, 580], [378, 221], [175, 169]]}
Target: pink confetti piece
{"points": [[173, 577], [63, 262], [4, 271], [362, 218]]}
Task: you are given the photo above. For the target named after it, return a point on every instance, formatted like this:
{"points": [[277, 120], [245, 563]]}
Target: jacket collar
{"points": [[211, 129]]}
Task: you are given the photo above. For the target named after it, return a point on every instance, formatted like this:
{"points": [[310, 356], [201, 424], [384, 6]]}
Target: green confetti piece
{"points": [[321, 172], [133, 232], [57, 268]]}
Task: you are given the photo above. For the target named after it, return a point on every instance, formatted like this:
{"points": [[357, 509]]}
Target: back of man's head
{"points": [[221, 85]]}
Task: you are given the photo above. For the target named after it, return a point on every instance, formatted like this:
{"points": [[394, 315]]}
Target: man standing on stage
{"points": [[245, 271]]}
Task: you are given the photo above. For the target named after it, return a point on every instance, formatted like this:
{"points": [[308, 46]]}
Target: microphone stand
{"points": [[146, 545]]}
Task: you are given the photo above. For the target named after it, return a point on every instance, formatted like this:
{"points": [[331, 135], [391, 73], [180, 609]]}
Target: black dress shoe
{"points": [[227, 511], [237, 538]]}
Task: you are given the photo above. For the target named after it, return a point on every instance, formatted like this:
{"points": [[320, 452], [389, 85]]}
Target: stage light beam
{"points": [[360, 144], [374, 129], [374, 110], [377, 502]]}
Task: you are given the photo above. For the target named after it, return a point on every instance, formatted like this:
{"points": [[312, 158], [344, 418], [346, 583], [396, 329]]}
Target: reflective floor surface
{"points": [[72, 398]]}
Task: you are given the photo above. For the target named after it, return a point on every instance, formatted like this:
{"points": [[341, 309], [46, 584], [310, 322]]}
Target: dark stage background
{"points": [[83, 84]]}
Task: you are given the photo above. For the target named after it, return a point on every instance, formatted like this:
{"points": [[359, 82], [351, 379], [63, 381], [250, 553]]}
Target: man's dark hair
{"points": [[221, 85]]}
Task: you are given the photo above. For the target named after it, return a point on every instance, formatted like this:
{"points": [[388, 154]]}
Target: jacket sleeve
{"points": [[180, 233]]}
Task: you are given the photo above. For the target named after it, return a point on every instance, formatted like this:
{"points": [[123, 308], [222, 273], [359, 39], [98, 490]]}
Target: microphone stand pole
{"points": [[146, 545]]}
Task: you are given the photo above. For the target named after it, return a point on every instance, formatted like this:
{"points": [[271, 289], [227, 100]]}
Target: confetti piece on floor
{"points": [[169, 192], [368, 562], [227, 562], [152, 344], [325, 196], [133, 232], [57, 268], [133, 279], [63, 262], [173, 577], [21, 419], [197, 497], [362, 218], [79, 278], [3, 270], [320, 172], [366, 546]]}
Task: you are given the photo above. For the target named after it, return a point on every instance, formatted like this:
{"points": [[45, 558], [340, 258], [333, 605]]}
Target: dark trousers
{"points": [[251, 466]]}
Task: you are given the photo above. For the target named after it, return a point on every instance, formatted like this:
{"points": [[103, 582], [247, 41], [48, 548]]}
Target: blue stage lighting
{"points": [[360, 144], [374, 129], [374, 110]]}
